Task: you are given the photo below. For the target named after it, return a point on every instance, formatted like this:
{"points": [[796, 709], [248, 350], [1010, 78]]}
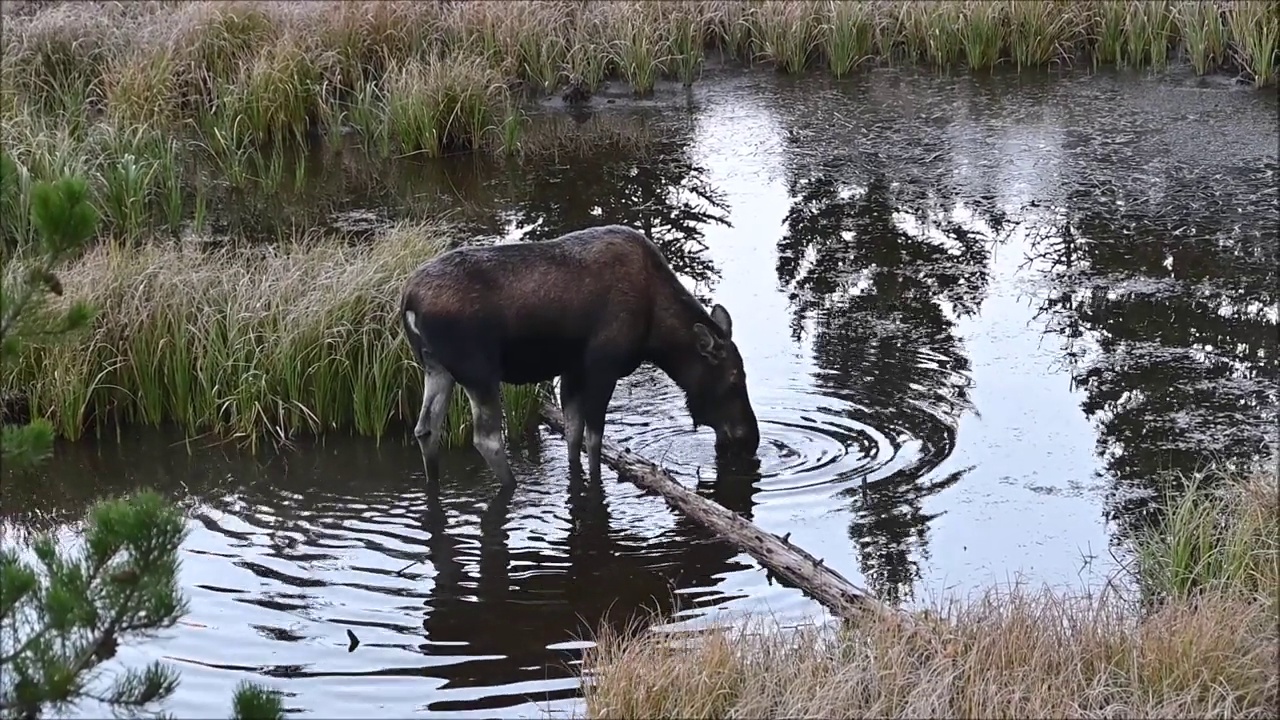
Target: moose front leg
{"points": [[571, 407], [486, 430], [595, 404]]}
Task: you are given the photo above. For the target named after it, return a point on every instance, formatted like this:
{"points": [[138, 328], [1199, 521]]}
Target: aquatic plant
{"points": [[1147, 28], [848, 35], [1204, 31], [1217, 534], [1255, 36], [786, 34], [633, 43], [685, 32], [1043, 32], [982, 31], [438, 106], [1109, 23], [248, 343], [1208, 651]]}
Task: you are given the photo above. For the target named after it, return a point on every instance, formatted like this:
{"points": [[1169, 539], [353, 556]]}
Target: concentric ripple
{"points": [[807, 439]]}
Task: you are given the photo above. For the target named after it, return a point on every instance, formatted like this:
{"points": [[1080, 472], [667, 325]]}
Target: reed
{"points": [[848, 32], [636, 48], [1149, 29], [278, 91], [940, 32], [1255, 35], [982, 31], [1109, 27], [1218, 535], [1204, 33], [686, 32], [787, 34], [248, 344], [141, 88], [439, 106], [731, 29], [1004, 653], [1044, 32]]}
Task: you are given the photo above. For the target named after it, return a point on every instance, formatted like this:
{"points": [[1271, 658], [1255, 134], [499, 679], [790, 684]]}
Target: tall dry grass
{"points": [[291, 66], [1208, 650], [250, 344]]}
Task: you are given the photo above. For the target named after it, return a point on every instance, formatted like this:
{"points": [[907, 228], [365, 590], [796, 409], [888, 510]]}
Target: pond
{"points": [[984, 318]]}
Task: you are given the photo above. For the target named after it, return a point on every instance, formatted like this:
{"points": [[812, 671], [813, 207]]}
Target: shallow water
{"points": [[982, 318]]}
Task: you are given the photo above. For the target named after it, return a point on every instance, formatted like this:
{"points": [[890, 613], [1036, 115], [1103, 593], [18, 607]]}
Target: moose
{"points": [[588, 307]]}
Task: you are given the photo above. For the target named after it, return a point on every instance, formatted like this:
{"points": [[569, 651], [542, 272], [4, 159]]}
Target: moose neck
{"points": [[672, 342]]}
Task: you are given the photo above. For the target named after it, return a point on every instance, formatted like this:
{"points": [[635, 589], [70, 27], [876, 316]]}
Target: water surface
{"points": [[983, 318]]}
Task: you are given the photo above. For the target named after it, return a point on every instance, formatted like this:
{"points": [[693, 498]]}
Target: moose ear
{"points": [[706, 341], [721, 316]]}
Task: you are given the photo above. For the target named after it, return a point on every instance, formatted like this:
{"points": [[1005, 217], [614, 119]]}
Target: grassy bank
{"points": [[243, 343], [435, 77], [148, 183], [1206, 644]]}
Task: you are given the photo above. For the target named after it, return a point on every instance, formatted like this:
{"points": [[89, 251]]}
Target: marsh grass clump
{"points": [[136, 172], [1109, 20], [1204, 33], [787, 33], [1148, 29], [58, 56], [440, 106], [1209, 650], [942, 38], [686, 33], [278, 91], [1217, 535], [848, 32], [358, 40], [1043, 32], [141, 89], [636, 48], [1255, 34], [249, 344], [213, 43], [983, 30]]}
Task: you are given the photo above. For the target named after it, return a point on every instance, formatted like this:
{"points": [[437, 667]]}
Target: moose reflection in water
{"points": [[475, 587], [620, 579], [588, 307]]}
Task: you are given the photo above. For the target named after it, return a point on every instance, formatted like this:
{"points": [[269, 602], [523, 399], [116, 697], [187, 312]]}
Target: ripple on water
{"points": [[809, 443]]}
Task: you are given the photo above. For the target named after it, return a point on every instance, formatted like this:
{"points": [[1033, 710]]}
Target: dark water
{"points": [[983, 318]]}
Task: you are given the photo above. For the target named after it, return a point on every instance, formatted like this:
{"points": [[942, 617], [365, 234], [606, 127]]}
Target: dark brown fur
{"points": [[588, 307]]}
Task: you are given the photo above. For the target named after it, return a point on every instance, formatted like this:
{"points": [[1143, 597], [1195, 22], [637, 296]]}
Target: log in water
{"points": [[787, 561]]}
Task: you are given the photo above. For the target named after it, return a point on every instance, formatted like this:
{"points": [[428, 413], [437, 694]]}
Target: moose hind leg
{"points": [[437, 391], [486, 414]]}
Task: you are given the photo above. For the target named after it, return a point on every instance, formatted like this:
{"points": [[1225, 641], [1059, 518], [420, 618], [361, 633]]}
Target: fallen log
{"points": [[777, 554]]}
